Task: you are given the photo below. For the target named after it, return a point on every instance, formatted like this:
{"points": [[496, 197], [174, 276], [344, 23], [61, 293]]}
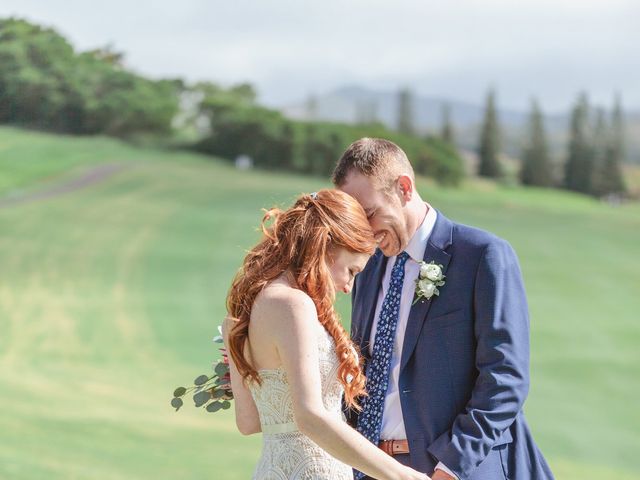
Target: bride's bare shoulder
{"points": [[281, 303]]}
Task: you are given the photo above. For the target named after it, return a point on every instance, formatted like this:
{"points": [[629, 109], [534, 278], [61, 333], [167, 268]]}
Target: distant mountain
{"points": [[354, 104], [344, 103]]}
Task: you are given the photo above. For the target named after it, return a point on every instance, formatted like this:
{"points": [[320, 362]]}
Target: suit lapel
{"points": [[439, 240], [370, 284]]}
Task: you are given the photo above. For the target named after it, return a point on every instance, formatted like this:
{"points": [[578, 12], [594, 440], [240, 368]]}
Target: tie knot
{"points": [[402, 258], [397, 273]]}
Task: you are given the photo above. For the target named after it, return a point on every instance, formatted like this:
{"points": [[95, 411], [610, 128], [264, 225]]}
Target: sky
{"points": [[456, 49]]}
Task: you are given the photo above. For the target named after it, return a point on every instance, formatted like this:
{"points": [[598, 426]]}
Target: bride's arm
{"points": [[294, 324], [247, 419]]}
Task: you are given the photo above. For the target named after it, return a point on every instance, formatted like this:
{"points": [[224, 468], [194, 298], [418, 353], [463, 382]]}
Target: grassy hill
{"points": [[110, 295]]}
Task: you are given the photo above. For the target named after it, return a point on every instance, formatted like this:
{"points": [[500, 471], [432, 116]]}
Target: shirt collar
{"points": [[418, 243]]}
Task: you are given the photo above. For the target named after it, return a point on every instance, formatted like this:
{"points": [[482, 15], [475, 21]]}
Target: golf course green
{"points": [[114, 267]]}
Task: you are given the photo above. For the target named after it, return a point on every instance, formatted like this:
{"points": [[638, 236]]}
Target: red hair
{"points": [[299, 240]]}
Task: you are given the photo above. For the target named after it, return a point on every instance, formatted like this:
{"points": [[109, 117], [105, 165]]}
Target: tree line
{"points": [[594, 157], [46, 84], [593, 161]]}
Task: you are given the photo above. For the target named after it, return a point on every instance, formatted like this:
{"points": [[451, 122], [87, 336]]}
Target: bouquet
{"points": [[212, 392]]}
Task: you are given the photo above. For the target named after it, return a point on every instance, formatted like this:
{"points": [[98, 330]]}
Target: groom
{"points": [[448, 374]]}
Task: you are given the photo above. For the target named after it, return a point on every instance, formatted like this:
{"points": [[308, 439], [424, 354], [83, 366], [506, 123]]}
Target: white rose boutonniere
{"points": [[428, 281]]}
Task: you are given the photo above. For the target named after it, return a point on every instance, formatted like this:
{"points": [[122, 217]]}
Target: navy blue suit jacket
{"points": [[464, 373]]}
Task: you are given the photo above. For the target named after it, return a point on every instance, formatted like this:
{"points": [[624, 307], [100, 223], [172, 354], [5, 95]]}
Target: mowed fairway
{"points": [[110, 295]]}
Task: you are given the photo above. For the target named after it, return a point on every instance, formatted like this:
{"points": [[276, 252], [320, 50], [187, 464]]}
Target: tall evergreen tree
{"points": [[489, 147], [406, 121], [609, 154], [446, 132], [617, 126], [600, 151], [618, 149], [578, 170], [536, 164]]}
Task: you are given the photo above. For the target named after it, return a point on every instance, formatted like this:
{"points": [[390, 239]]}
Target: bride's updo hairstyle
{"points": [[299, 240]]}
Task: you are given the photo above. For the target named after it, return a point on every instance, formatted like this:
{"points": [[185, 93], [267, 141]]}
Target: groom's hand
{"points": [[441, 475]]}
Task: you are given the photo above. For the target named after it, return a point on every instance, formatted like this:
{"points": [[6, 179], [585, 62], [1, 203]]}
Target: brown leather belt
{"points": [[394, 447]]}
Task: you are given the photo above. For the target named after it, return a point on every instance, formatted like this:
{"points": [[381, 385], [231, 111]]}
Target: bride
{"points": [[291, 361]]}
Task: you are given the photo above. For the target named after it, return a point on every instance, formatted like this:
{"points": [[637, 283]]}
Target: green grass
{"points": [[110, 295]]}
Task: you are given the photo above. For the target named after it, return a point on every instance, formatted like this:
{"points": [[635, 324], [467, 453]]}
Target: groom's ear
{"points": [[405, 187]]}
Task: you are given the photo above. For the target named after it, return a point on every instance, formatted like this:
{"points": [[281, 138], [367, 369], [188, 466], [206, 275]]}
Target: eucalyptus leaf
{"points": [[225, 405], [176, 403], [201, 380], [180, 391], [201, 398], [214, 407], [218, 393], [221, 369]]}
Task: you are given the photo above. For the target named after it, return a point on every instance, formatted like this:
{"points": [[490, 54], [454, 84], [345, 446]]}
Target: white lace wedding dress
{"points": [[288, 454]]}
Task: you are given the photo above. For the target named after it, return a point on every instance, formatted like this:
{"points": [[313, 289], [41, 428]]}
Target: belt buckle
{"points": [[395, 446], [392, 447]]}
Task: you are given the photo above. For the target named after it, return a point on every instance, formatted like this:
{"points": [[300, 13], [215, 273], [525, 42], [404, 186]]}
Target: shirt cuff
{"points": [[443, 467]]}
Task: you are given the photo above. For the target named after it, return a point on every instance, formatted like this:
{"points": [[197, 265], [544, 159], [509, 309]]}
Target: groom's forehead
{"points": [[360, 186]]}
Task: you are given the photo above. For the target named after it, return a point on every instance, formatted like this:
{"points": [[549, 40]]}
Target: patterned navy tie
{"points": [[370, 419]]}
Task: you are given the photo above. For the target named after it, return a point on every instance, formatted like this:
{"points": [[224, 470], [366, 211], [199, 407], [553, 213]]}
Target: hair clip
{"points": [[314, 195]]}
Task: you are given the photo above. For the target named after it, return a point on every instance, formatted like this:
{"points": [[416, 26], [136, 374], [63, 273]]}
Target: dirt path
{"points": [[96, 174]]}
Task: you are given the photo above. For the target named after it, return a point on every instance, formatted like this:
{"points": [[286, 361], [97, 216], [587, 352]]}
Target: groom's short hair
{"points": [[381, 160]]}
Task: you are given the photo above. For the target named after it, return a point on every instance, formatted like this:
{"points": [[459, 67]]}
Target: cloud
{"points": [[288, 48]]}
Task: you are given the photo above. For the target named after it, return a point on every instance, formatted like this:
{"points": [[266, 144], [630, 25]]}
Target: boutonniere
{"points": [[428, 281]]}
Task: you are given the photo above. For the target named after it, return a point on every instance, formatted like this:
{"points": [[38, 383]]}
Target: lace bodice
{"points": [[286, 452]]}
